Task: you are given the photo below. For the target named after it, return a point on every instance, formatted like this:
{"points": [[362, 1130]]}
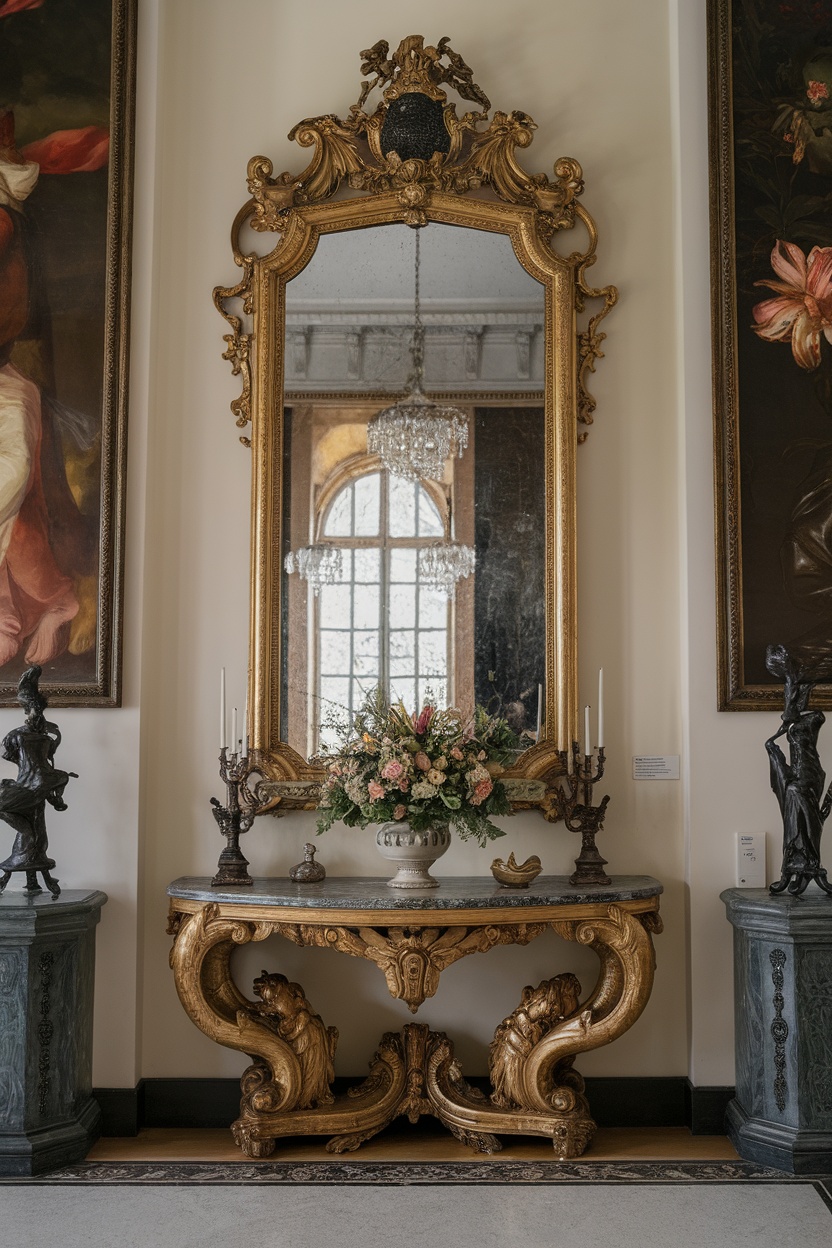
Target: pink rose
{"points": [[404, 784], [422, 761], [456, 753], [375, 790], [481, 792], [399, 811], [392, 770]]}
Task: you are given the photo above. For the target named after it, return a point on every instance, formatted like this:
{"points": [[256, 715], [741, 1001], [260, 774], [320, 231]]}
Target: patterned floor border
{"points": [[397, 1174]]}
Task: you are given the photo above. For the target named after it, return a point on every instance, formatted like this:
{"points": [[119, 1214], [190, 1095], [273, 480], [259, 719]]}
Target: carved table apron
{"points": [[412, 938]]}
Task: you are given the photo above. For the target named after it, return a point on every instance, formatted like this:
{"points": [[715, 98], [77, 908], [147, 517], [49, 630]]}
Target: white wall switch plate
{"points": [[751, 859]]}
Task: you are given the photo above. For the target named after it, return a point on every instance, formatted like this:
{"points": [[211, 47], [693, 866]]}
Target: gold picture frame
{"points": [[73, 74], [476, 184], [771, 161]]}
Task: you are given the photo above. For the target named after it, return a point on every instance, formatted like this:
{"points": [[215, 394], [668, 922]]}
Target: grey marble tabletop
{"points": [[15, 901], [455, 892]]}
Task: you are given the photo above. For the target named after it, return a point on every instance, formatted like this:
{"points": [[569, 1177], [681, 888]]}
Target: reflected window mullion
{"points": [[351, 556], [384, 588]]}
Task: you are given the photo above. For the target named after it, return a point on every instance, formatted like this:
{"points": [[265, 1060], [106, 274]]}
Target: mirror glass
{"points": [[379, 616]]}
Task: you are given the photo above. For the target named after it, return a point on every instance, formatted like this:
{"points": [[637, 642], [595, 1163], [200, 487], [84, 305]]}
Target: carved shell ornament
{"points": [[413, 146]]}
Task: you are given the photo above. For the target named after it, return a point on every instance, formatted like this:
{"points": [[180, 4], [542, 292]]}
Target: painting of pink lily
{"points": [[771, 265]]}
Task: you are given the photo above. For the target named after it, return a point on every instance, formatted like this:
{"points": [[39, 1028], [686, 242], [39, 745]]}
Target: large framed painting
{"points": [[771, 252], [67, 86]]}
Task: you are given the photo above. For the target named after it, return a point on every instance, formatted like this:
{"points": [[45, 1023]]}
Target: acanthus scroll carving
{"points": [[416, 145], [411, 959], [540, 1010], [413, 146]]}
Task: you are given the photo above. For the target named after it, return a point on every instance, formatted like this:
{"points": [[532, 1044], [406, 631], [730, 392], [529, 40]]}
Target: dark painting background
{"points": [[784, 422]]}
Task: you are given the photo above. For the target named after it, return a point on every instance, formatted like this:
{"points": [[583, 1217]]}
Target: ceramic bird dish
{"points": [[513, 875]]}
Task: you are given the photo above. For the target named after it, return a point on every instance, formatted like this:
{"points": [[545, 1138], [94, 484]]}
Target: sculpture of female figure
{"points": [[284, 1004], [22, 801], [799, 782], [516, 1036]]}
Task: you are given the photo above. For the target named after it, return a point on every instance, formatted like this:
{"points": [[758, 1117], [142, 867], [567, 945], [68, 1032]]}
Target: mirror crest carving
{"points": [[412, 160]]}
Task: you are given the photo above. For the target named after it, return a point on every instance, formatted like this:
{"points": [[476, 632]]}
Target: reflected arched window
{"points": [[380, 624]]}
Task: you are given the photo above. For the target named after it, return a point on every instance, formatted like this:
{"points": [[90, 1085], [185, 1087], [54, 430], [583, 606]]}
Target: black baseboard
{"points": [[637, 1102], [615, 1102], [121, 1109], [705, 1109]]}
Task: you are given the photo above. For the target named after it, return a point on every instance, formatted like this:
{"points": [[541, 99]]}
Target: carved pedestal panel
{"points": [[47, 959], [782, 1113], [286, 1090]]}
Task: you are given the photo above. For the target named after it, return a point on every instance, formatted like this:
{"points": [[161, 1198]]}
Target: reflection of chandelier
{"points": [[415, 436], [442, 564], [319, 564]]}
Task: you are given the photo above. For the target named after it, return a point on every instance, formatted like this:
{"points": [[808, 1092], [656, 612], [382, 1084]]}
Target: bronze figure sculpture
{"points": [[538, 1011], [309, 871], [798, 784], [22, 801], [284, 1005]]}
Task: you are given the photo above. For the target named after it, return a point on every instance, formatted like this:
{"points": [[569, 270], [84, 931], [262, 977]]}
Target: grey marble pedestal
{"points": [[782, 1113], [47, 958]]}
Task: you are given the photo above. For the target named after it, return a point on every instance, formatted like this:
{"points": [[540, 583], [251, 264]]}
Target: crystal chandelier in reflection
{"points": [[415, 436], [444, 563], [319, 564]]}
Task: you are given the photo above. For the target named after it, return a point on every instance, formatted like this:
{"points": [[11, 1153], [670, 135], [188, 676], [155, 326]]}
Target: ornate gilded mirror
{"points": [[414, 282]]}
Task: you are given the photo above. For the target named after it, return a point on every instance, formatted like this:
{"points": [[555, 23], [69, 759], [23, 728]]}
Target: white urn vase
{"points": [[414, 853]]}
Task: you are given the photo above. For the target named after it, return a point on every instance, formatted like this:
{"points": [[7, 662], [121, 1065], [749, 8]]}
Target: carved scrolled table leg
{"points": [[201, 964], [287, 1088], [535, 1089]]}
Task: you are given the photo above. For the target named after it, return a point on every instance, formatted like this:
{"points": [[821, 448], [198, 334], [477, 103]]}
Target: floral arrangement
{"points": [[427, 769]]}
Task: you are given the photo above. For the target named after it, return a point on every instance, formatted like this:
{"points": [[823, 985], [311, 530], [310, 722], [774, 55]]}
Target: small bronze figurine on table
{"points": [[798, 784], [22, 801], [309, 871]]}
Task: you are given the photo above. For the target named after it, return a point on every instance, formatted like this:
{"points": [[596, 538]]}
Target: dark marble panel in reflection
{"points": [[509, 606], [286, 546]]}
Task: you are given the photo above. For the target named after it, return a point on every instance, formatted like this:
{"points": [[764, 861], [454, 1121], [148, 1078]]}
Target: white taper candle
{"points": [[600, 741], [234, 731], [587, 744], [222, 709]]}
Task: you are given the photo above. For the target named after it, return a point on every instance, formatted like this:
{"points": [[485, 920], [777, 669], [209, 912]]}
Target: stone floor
{"points": [[681, 1215], [417, 1187]]}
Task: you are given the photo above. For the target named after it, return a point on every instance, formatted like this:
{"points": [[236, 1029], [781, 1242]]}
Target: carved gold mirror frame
{"points": [[351, 184]]}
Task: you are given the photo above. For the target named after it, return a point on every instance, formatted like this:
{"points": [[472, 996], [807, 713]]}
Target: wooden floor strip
{"points": [[417, 1144]]}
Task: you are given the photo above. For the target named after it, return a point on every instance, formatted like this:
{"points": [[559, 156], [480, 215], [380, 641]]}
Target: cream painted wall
{"points": [[620, 87], [727, 789], [612, 112]]}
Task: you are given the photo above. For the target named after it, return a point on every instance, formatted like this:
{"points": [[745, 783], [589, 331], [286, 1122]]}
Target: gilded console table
{"points": [[412, 938]]}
